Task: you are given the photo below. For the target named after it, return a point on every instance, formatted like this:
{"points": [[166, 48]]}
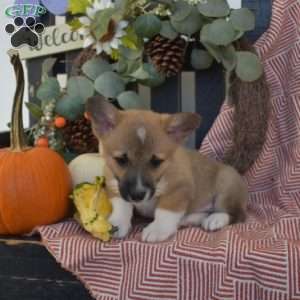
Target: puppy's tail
{"points": [[251, 101]]}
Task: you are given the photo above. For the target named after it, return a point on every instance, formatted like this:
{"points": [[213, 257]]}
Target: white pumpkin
{"points": [[86, 167]]}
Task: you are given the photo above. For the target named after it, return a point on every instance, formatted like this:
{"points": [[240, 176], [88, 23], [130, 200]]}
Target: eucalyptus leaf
{"points": [[95, 67], [168, 31], [80, 86], [242, 19], [70, 107], [120, 66], [214, 8], [131, 54], [34, 109], [219, 33], [131, 100], [131, 39], [238, 35], [201, 59], [181, 10], [249, 67], [49, 90], [147, 26], [101, 21], [229, 58], [214, 51], [155, 78], [109, 84], [47, 65], [140, 74], [125, 67], [189, 25]]}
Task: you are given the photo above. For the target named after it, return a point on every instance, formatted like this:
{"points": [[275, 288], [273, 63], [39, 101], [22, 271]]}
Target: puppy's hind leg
{"points": [[194, 219], [228, 209]]}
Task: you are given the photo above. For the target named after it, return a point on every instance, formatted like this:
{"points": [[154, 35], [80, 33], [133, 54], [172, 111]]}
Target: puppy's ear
{"points": [[104, 116], [179, 126]]}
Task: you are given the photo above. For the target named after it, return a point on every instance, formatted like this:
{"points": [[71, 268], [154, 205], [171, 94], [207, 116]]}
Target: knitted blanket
{"points": [[256, 260]]}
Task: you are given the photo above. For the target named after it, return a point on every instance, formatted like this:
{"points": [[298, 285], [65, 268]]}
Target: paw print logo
{"points": [[24, 32]]}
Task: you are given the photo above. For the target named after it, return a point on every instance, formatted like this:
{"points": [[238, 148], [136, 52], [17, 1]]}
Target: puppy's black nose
{"points": [[135, 186], [137, 195]]}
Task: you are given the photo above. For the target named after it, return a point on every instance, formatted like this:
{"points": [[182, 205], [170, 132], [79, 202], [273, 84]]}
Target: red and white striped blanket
{"points": [[256, 260]]}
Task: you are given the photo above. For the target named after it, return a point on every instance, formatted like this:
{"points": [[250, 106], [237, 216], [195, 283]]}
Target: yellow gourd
{"points": [[93, 209]]}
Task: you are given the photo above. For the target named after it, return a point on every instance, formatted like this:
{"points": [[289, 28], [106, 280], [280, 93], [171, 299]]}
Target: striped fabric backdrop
{"points": [[258, 260]]}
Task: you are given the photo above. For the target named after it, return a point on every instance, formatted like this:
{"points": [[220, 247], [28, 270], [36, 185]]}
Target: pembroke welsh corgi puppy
{"points": [[147, 168]]}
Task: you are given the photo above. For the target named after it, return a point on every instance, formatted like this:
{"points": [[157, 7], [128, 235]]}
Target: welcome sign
{"points": [[55, 39]]}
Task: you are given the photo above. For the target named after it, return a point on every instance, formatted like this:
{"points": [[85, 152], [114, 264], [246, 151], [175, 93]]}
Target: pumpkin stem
{"points": [[17, 135]]}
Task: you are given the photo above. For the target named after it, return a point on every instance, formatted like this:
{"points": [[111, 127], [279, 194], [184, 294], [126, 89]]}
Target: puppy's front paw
{"points": [[155, 232], [123, 225], [121, 217], [215, 221]]}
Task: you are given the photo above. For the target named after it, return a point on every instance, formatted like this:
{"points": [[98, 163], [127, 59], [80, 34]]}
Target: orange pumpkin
{"points": [[34, 182]]}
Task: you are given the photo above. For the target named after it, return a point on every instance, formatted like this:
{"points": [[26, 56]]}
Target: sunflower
{"points": [[115, 31]]}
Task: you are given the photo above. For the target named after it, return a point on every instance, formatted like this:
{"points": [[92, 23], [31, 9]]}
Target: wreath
{"points": [[144, 42]]}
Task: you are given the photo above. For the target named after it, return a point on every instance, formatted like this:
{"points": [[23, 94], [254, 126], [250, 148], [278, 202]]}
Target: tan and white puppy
{"points": [[149, 169]]}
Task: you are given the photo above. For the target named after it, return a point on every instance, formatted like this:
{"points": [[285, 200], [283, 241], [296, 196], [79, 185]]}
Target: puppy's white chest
{"points": [[146, 207]]}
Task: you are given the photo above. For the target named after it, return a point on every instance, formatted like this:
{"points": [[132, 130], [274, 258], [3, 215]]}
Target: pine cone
{"points": [[167, 55], [79, 137]]}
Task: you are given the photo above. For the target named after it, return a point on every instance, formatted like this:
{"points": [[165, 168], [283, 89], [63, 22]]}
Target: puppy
{"points": [[149, 169]]}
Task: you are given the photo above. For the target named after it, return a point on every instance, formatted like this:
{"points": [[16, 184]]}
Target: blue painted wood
{"points": [[167, 97], [210, 92], [262, 11]]}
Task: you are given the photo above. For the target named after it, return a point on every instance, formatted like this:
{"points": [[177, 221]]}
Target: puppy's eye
{"points": [[122, 161], [155, 161]]}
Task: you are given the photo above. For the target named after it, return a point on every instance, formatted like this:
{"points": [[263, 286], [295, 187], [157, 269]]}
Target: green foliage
{"points": [[168, 31], [147, 26], [214, 51], [34, 109], [181, 10], [201, 59], [220, 33], [129, 65], [109, 84], [229, 58], [100, 23], [242, 19], [74, 24], [190, 25], [47, 65], [130, 8], [48, 90], [218, 25], [155, 79], [78, 7], [81, 87], [70, 107], [131, 100], [95, 67], [125, 67], [140, 73], [248, 66], [131, 40], [214, 8], [131, 54]]}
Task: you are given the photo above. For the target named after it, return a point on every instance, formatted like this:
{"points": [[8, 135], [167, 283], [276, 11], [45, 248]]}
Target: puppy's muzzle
{"points": [[135, 187]]}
